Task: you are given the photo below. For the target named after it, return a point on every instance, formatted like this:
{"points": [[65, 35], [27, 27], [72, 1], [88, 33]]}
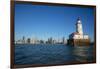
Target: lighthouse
{"points": [[78, 37], [79, 26]]}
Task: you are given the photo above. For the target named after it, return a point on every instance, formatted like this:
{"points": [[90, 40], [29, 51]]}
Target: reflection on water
{"points": [[52, 54], [83, 53]]}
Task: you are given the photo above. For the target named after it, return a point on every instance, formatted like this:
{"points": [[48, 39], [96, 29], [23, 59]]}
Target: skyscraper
{"points": [[23, 40]]}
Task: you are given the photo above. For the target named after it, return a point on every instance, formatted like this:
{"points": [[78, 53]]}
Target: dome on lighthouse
{"points": [[79, 20]]}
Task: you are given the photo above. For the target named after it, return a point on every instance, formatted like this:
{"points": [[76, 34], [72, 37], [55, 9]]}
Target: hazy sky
{"points": [[42, 21]]}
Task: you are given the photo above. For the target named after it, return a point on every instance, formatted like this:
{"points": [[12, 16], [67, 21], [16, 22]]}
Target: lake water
{"points": [[52, 54]]}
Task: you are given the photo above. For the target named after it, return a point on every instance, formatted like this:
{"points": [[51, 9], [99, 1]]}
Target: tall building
{"points": [[63, 40], [23, 40], [28, 40], [78, 37], [32, 41]]}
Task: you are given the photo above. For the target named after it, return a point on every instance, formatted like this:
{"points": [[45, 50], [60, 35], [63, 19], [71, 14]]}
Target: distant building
{"points": [[28, 40], [54, 41], [23, 40], [50, 40], [19, 41], [64, 40], [78, 37], [41, 42], [34, 40]]}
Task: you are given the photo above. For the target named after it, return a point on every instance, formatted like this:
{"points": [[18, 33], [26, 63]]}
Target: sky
{"points": [[42, 21]]}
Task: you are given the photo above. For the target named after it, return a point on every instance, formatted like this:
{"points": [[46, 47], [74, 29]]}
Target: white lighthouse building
{"points": [[78, 37], [79, 26]]}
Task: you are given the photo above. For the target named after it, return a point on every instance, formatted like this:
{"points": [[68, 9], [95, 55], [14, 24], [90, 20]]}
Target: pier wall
{"points": [[79, 42]]}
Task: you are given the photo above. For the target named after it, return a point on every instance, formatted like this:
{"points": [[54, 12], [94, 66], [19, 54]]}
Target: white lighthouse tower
{"points": [[78, 37], [79, 26]]}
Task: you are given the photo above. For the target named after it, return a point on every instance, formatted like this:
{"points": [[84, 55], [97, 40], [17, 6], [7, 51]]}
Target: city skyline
{"points": [[43, 22], [50, 40]]}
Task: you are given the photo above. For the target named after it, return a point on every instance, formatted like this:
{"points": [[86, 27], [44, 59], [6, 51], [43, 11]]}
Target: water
{"points": [[52, 54]]}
